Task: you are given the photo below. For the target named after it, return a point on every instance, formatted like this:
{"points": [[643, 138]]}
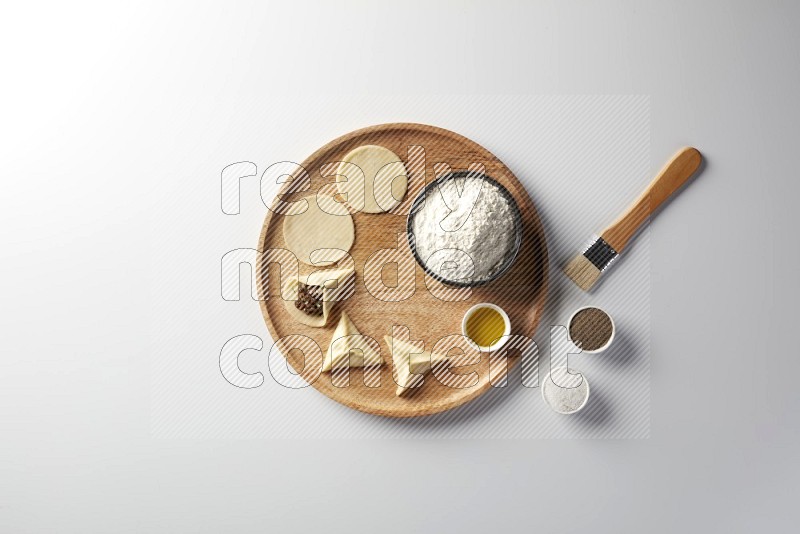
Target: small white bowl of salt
{"points": [[565, 391]]}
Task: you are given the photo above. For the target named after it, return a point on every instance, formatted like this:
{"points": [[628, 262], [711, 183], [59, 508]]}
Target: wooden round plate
{"points": [[521, 291]]}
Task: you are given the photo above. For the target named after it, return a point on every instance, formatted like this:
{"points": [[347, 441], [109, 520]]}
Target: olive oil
{"points": [[485, 326]]}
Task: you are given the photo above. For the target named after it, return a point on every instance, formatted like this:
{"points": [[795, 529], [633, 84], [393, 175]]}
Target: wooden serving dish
{"points": [[520, 292]]}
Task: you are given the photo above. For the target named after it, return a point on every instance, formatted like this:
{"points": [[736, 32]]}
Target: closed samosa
{"points": [[410, 365], [348, 348]]}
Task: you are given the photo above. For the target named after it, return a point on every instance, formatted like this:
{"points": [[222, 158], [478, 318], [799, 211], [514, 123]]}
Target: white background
{"points": [[104, 109]]}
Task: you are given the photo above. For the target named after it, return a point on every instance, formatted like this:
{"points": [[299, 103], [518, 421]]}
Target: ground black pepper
{"points": [[591, 328]]}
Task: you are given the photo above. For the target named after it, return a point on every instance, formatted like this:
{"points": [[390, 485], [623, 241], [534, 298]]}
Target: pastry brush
{"points": [[585, 268]]}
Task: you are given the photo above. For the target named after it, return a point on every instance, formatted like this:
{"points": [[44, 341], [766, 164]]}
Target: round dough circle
{"points": [[316, 229], [383, 184]]}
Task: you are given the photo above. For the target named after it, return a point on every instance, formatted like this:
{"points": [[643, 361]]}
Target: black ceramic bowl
{"points": [[415, 207]]}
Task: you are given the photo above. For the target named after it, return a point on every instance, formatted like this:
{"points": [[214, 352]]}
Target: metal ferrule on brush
{"points": [[600, 253]]}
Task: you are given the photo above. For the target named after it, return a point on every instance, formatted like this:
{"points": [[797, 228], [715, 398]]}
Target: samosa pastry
{"points": [[317, 293], [410, 365], [348, 348]]}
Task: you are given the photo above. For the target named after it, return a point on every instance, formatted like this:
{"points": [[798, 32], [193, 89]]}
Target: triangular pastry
{"points": [[348, 345], [410, 364], [317, 293]]}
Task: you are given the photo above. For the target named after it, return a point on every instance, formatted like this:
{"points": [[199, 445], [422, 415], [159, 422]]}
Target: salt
{"points": [[565, 392]]}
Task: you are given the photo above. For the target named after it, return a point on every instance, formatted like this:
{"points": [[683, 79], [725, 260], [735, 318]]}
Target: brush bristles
{"points": [[582, 271]]}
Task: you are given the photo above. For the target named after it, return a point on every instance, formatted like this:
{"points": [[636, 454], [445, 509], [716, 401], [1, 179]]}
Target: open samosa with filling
{"points": [[317, 293]]}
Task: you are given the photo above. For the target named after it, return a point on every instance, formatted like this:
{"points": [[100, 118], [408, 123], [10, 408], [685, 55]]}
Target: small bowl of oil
{"points": [[487, 325]]}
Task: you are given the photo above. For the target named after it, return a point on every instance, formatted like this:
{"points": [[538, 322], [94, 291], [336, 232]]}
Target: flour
{"points": [[465, 229], [565, 392]]}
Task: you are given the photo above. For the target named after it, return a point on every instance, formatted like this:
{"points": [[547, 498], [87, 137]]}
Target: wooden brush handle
{"points": [[674, 174]]}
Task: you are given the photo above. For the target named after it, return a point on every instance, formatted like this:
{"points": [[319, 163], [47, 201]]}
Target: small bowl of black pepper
{"points": [[591, 329]]}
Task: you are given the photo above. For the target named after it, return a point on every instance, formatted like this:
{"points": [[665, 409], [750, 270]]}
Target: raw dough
{"points": [[337, 284], [382, 185], [409, 367], [345, 338], [315, 229]]}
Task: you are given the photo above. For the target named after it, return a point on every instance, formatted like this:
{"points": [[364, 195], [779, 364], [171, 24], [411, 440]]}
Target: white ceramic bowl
{"points": [[579, 408], [610, 339], [503, 314]]}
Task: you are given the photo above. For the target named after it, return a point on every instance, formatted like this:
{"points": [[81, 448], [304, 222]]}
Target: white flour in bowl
{"points": [[465, 230]]}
